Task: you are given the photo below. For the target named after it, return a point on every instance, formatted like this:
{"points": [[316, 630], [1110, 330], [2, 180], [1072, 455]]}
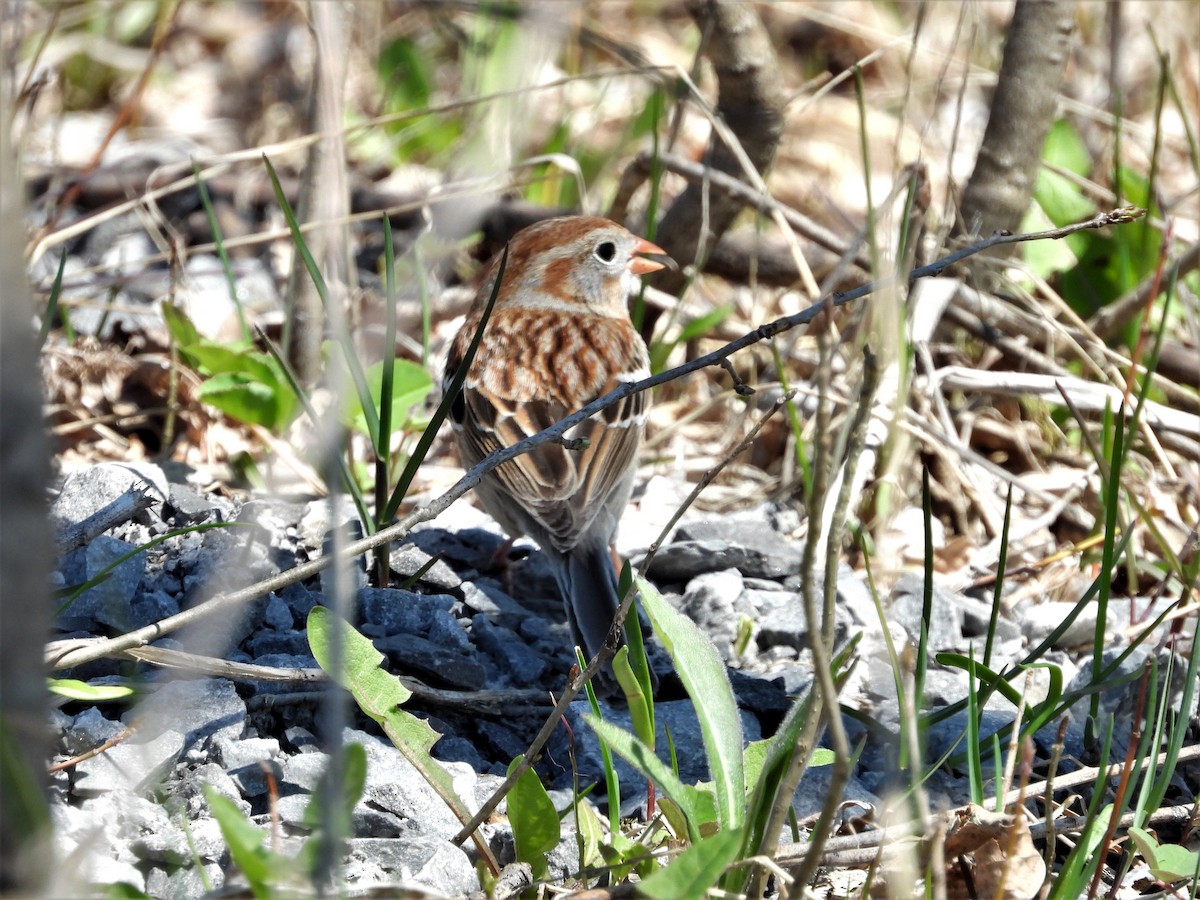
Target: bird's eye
{"points": [[606, 251]]}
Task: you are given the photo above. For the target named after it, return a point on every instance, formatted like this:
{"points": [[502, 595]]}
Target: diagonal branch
{"points": [[65, 654]]}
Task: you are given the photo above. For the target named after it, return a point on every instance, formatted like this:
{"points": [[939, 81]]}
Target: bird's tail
{"points": [[588, 583]]}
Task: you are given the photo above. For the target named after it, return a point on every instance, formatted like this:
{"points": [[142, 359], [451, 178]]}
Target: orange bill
{"points": [[639, 265]]}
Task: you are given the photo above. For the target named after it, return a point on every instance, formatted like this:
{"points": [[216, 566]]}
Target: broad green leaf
{"points": [[703, 675], [376, 691], [209, 358], [588, 824], [411, 384], [248, 401], [180, 326], [533, 818], [695, 870], [1045, 258], [1059, 197], [1168, 862], [379, 695]]}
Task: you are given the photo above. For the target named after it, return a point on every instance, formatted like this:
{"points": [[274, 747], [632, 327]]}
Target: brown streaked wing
{"points": [[613, 450], [547, 473], [600, 469]]}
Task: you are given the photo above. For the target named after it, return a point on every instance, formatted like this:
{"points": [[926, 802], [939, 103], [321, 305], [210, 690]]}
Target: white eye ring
{"points": [[606, 251]]}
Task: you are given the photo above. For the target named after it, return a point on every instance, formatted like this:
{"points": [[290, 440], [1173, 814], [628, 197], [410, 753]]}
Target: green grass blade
{"points": [[52, 302], [448, 398], [383, 444], [219, 241], [337, 326]]}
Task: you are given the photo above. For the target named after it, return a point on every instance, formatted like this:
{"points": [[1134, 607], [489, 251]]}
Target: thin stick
{"points": [[73, 653]]}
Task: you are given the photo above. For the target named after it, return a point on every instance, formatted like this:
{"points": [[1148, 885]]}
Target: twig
{"points": [[76, 653], [752, 198], [118, 512]]}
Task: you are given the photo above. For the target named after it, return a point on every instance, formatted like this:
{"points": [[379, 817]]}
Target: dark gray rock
{"points": [[89, 730], [187, 506], [300, 740], [782, 621], [485, 596], [153, 606], [752, 546], [301, 601], [278, 614], [106, 603], [452, 748], [519, 665], [264, 644], [387, 611], [91, 489], [678, 715], [436, 664]]}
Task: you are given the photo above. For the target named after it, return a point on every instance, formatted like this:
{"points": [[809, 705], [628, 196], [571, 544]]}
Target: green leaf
{"points": [[703, 675], [697, 327], [380, 695], [1168, 862], [1064, 148], [772, 772], [179, 325], [342, 781], [74, 689], [209, 358], [641, 712], [821, 757], [1059, 197], [702, 325], [588, 824], [245, 842], [411, 384], [376, 691], [533, 818], [695, 870], [247, 400]]}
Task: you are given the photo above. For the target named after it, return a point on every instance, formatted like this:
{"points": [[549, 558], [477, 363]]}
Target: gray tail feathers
{"points": [[589, 587]]}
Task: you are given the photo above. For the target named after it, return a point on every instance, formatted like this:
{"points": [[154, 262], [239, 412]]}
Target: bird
{"points": [[559, 336]]}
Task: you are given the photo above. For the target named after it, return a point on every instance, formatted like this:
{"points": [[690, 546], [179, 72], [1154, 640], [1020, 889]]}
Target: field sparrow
{"points": [[559, 337]]}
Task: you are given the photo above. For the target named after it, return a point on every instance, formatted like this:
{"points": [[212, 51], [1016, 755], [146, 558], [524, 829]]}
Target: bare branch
{"points": [[72, 653]]}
